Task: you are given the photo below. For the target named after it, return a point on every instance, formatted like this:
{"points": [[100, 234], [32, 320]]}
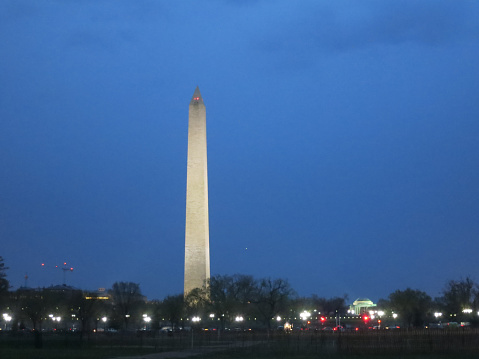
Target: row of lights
{"points": [[305, 315]]}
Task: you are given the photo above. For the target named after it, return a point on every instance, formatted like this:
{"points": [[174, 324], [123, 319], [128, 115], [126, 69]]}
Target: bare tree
{"points": [[173, 309], [126, 298], [459, 295], [272, 296], [4, 285]]}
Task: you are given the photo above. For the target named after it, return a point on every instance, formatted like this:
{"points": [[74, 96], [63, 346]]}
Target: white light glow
{"points": [[305, 315]]}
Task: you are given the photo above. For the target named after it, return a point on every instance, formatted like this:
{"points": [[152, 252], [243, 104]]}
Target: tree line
{"points": [[225, 301]]}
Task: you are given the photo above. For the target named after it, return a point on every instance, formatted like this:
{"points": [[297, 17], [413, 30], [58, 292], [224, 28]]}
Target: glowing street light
{"points": [[305, 315], [104, 319], [395, 315], [438, 314], [278, 318], [7, 318]]}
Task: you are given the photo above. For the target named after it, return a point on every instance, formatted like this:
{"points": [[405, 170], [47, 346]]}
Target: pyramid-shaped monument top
{"points": [[196, 96]]}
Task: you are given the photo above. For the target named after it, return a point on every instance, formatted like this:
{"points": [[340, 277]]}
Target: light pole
{"points": [[194, 321], [147, 320], [104, 320], [7, 318]]}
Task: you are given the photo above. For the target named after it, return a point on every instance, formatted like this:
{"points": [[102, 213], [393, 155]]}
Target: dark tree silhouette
{"points": [[126, 299], [271, 298], [412, 306], [4, 285], [459, 295], [172, 308]]}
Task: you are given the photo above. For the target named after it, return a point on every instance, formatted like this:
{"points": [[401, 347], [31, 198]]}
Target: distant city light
{"points": [[278, 318], [195, 319], [239, 319], [212, 315], [305, 315], [467, 311], [438, 314], [104, 319], [395, 315]]}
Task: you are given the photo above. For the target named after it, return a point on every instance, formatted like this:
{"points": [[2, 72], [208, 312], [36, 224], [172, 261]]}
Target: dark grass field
{"points": [[368, 345]]}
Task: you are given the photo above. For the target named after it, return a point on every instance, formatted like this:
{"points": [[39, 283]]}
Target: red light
{"points": [[64, 263], [43, 264], [71, 269], [323, 319], [196, 99]]}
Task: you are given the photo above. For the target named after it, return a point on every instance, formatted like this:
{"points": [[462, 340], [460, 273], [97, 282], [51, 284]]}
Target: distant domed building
{"points": [[361, 305]]}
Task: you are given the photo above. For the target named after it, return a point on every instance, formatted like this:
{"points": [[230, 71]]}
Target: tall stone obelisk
{"points": [[197, 237]]}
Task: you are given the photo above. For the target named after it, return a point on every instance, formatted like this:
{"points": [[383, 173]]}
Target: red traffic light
{"points": [[323, 319], [365, 318]]}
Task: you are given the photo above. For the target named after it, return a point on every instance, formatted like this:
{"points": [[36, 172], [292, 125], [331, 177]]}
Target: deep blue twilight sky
{"points": [[343, 141]]}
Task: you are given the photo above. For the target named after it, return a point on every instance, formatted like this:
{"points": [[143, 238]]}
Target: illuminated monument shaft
{"points": [[197, 246]]}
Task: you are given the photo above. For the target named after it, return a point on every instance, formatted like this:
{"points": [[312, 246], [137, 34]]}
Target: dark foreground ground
{"points": [[423, 344]]}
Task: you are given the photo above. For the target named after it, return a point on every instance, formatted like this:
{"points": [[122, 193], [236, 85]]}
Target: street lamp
{"points": [[104, 320], [305, 315], [147, 320], [7, 318]]}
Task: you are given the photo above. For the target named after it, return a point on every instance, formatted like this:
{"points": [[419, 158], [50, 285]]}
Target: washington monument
{"points": [[197, 237]]}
